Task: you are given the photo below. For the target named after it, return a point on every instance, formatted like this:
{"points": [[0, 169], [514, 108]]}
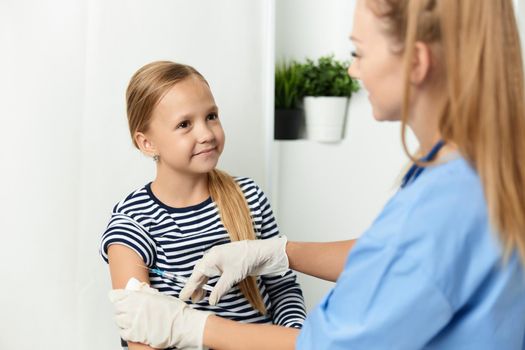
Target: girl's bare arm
{"points": [[124, 263]]}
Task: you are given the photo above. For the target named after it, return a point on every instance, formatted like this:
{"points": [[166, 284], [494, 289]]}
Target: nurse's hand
{"points": [[234, 262], [146, 316]]}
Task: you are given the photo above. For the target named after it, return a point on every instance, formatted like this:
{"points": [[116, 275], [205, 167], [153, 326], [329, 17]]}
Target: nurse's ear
{"points": [[421, 63]]}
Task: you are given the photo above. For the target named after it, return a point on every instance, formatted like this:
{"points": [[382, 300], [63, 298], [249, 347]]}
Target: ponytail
{"points": [[236, 218]]}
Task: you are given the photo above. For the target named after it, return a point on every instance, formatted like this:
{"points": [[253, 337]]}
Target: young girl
{"points": [[442, 267], [191, 207]]}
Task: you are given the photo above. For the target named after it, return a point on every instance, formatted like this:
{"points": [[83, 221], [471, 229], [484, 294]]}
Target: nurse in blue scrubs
{"points": [[442, 266]]}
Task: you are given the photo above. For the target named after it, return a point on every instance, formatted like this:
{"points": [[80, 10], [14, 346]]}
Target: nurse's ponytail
{"points": [[475, 45]]}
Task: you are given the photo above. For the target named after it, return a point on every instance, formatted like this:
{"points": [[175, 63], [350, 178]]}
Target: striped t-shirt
{"points": [[173, 239]]}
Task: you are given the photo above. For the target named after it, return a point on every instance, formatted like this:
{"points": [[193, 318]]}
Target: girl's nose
{"points": [[204, 133]]}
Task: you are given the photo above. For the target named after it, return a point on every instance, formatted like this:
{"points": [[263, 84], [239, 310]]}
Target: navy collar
{"points": [[416, 170]]}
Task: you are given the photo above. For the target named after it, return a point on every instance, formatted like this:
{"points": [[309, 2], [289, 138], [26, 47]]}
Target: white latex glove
{"points": [[144, 315], [234, 262]]}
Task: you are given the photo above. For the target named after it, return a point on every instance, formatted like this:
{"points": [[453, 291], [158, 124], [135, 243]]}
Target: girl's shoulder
{"points": [[251, 190], [244, 181], [247, 184], [136, 199]]}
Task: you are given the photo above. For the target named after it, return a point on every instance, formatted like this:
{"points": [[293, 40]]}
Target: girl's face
{"points": [[377, 65], [185, 129]]}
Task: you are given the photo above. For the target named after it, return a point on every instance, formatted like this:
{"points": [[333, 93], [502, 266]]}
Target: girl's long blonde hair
{"points": [[483, 109], [146, 88]]}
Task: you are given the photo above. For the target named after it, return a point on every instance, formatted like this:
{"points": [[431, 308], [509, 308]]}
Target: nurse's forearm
{"points": [[322, 260], [223, 334]]}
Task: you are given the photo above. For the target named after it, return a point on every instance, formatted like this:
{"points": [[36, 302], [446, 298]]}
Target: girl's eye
{"points": [[212, 116], [354, 54], [183, 125]]}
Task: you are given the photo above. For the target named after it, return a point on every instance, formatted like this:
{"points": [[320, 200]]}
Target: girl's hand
{"points": [[234, 262]]}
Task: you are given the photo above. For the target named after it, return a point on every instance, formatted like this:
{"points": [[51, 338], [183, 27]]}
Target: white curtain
{"points": [[65, 150]]}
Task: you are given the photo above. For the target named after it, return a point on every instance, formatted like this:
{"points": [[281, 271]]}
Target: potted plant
{"points": [[289, 117], [327, 88]]}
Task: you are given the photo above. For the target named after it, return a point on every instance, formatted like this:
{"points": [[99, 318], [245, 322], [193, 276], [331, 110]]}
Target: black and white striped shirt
{"points": [[173, 239]]}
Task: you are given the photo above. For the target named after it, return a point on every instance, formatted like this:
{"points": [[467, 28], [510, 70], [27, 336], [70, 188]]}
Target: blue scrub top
{"points": [[428, 274]]}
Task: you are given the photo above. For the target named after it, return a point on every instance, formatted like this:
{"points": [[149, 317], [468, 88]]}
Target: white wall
{"points": [[328, 192], [42, 61], [66, 154]]}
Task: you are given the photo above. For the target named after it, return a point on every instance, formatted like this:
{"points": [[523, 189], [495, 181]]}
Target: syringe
{"points": [[178, 279]]}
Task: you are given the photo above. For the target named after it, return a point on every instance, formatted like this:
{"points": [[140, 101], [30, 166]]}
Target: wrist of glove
{"points": [[146, 316], [234, 262], [267, 257]]}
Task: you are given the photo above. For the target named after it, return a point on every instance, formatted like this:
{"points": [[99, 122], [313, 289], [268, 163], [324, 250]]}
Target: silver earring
{"points": [[156, 157]]}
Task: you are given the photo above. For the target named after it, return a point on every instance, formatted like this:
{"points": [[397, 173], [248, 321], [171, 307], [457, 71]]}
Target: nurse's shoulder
{"points": [[441, 222], [445, 199]]}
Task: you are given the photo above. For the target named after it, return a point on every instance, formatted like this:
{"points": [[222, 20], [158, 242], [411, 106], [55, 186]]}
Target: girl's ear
{"points": [[422, 62], [145, 145]]}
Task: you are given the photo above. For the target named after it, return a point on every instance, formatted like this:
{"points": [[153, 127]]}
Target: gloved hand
{"points": [[146, 316], [234, 262]]}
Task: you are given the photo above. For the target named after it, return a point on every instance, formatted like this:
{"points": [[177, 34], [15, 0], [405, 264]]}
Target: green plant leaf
{"points": [[324, 77], [327, 77]]}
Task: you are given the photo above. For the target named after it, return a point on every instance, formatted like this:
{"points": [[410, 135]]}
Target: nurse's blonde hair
{"points": [[476, 44], [146, 88]]}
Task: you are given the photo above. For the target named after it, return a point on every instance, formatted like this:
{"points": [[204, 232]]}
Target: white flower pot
{"points": [[325, 117]]}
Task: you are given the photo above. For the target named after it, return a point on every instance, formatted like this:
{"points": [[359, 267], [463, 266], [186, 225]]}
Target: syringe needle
{"points": [[178, 279]]}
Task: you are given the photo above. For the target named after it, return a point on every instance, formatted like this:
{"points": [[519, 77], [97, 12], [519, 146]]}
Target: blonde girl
{"points": [[190, 207]]}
